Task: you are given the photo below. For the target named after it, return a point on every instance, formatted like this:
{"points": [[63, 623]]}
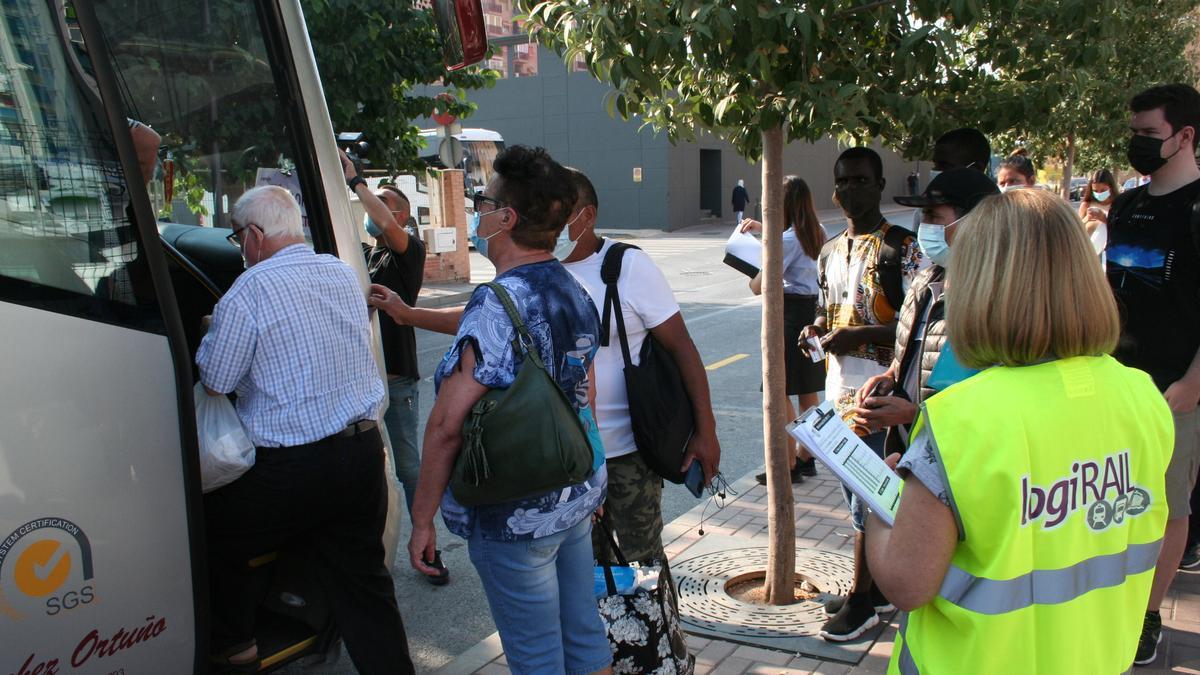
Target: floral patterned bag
{"points": [[643, 628]]}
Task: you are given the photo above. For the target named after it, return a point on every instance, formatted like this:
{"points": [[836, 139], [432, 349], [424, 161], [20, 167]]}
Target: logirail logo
{"points": [[46, 567]]}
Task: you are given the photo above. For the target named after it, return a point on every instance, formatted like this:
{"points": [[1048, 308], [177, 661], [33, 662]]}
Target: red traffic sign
{"points": [[440, 114]]}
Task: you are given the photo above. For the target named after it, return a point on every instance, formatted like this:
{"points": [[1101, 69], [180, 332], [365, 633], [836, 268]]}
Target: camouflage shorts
{"points": [[634, 506]]}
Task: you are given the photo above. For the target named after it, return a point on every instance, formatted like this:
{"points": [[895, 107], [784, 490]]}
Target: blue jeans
{"points": [[858, 513], [401, 421], [541, 595]]}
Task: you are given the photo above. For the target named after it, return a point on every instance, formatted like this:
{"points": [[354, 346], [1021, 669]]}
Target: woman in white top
{"points": [[1098, 197], [802, 242]]}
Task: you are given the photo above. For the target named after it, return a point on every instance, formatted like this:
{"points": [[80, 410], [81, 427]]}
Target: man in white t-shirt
{"points": [[648, 305]]}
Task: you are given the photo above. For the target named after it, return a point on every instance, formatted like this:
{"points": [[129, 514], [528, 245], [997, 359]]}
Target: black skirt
{"points": [[803, 376]]}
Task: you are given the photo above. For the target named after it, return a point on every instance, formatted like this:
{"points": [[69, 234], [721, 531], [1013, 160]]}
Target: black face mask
{"points": [[1145, 154], [856, 202]]}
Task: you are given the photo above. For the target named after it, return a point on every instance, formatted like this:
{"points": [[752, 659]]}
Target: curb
{"points": [[435, 301]]}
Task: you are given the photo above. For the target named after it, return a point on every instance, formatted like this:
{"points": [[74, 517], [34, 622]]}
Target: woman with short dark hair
{"points": [[533, 555]]}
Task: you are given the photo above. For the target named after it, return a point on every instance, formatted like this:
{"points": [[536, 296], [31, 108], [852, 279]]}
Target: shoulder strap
{"points": [[610, 273], [523, 344], [889, 265], [823, 256]]}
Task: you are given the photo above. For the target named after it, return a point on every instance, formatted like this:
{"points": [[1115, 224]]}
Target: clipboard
{"points": [[822, 430]]}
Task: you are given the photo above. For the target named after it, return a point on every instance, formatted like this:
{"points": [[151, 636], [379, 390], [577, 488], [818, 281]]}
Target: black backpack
{"points": [[659, 407], [887, 269]]}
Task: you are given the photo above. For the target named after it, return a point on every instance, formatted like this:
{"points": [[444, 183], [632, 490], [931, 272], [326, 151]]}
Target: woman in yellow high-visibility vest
{"points": [[1033, 505]]}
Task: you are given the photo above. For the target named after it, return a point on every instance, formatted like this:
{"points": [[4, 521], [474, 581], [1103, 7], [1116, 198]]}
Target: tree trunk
{"points": [[1068, 167], [781, 522]]}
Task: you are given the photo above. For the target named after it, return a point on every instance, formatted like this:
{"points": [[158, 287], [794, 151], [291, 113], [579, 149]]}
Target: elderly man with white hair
{"points": [[292, 339]]}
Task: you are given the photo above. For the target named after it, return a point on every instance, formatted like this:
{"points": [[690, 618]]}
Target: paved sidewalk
{"points": [[822, 522]]}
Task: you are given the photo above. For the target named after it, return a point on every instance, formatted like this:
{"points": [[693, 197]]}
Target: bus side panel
{"points": [[94, 565]]}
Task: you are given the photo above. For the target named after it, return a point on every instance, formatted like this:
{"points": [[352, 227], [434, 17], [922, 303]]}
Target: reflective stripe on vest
{"points": [[1047, 587], [905, 663]]}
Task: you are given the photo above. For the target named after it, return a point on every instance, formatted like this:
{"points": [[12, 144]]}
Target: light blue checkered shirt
{"points": [[293, 339]]}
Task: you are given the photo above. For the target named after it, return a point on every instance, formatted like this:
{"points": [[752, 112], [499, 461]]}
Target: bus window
{"points": [[200, 74], [67, 242]]}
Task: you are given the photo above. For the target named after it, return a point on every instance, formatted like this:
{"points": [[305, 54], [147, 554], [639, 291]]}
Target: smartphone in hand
{"points": [[694, 480]]}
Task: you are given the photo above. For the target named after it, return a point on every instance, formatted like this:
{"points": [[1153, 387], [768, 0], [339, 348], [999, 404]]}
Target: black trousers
{"points": [[330, 497]]}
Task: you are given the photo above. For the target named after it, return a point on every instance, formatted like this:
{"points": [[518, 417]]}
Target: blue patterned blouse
{"points": [[565, 327]]}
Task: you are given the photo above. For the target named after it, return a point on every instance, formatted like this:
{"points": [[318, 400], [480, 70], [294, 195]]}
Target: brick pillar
{"points": [[447, 209]]}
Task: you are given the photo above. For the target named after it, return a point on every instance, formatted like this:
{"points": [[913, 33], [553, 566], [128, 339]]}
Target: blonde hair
{"points": [[1024, 284]]}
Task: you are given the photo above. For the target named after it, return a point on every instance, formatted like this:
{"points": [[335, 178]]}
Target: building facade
{"points": [[642, 180]]}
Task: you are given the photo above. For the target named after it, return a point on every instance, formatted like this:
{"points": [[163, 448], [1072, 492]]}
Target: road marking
{"points": [[724, 362]]}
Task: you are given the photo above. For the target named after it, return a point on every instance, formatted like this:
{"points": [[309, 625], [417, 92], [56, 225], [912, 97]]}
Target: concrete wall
{"points": [[812, 162], [564, 112]]}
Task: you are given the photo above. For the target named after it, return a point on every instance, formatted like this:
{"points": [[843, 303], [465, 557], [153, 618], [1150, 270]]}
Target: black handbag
{"points": [[659, 406], [524, 440], [643, 627]]}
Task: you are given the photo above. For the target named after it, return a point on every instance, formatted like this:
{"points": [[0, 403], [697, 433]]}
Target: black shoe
{"points": [[878, 601], [443, 576], [1191, 559], [852, 620], [1147, 649], [797, 476], [808, 468]]}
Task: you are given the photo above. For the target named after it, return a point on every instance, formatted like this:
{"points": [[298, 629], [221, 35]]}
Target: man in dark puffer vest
{"points": [[921, 334]]}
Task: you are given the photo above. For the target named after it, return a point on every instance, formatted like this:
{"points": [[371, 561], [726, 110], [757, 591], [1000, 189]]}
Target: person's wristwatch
{"points": [[353, 183]]}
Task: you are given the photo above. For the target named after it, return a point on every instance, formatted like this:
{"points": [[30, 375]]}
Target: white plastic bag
{"points": [[225, 450]]}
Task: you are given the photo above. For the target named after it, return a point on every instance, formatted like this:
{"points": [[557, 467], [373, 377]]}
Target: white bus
{"points": [[102, 551]]}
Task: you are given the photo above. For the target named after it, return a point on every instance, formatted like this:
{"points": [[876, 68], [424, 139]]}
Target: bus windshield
{"points": [[200, 74]]}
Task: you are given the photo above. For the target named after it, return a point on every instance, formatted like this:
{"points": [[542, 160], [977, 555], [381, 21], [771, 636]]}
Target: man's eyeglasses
{"points": [[481, 198], [235, 237]]}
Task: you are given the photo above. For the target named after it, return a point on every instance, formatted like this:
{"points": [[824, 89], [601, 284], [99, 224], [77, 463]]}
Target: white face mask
{"points": [[1101, 196], [565, 246]]}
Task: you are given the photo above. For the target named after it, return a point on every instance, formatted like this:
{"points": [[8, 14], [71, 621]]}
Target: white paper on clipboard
{"points": [[823, 432], [743, 252]]}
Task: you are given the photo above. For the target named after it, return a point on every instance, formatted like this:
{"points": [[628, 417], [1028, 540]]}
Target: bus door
{"points": [[98, 484]]}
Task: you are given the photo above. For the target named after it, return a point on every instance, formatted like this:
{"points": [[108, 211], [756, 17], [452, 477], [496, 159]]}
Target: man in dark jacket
{"points": [[921, 333], [740, 199]]}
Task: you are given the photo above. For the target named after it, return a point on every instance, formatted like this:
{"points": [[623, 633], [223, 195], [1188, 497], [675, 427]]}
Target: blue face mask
{"points": [[480, 243], [565, 246], [932, 239], [372, 228], [948, 370]]}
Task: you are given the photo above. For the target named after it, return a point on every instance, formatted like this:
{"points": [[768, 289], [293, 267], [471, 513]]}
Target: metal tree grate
{"points": [[704, 603]]}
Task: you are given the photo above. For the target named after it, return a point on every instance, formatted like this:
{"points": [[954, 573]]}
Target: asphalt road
{"points": [[723, 318]]}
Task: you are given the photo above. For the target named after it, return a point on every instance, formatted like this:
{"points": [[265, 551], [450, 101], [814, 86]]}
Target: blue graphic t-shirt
{"points": [[1154, 270], [565, 327]]}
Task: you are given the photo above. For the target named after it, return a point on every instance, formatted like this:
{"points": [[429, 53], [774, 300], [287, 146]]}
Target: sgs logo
{"points": [[45, 566]]}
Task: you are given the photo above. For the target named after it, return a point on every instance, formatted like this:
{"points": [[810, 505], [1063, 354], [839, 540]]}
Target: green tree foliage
{"points": [[1087, 102], [371, 54], [1059, 82]]}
